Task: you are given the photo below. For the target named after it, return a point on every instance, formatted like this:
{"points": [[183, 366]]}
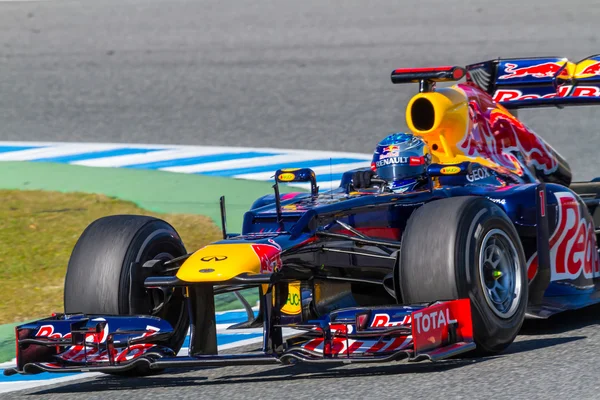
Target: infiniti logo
{"points": [[213, 258]]}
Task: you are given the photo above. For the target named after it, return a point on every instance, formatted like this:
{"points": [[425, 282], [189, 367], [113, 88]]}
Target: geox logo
{"points": [[479, 173]]}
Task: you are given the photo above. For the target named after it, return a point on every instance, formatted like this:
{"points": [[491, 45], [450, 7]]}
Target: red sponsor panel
{"points": [[430, 324], [573, 248], [416, 161]]}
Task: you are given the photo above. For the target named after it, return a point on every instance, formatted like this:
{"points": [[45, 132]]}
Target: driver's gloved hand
{"points": [[362, 179]]}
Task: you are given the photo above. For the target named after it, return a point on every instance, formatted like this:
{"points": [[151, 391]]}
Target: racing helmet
{"points": [[401, 156]]}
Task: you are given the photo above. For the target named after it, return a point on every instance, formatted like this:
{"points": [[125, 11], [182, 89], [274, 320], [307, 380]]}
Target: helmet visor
{"points": [[394, 172]]}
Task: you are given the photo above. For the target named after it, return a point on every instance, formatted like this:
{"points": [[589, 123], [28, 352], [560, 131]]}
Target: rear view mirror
{"points": [[287, 175]]}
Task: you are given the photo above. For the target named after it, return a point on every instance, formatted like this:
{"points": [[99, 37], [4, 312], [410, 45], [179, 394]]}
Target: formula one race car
{"points": [[498, 233]]}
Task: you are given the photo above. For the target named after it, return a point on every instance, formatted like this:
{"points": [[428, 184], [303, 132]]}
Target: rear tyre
{"points": [[467, 247], [105, 275]]}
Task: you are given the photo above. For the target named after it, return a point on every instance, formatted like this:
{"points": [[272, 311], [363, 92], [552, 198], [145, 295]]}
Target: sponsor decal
{"points": [[340, 345], [81, 353], [206, 270], [499, 201], [213, 258], [383, 321], [432, 321], [100, 337], [269, 256], [91, 354], [478, 174], [545, 70], [337, 329], [390, 151], [496, 134], [592, 69], [430, 326], [391, 160], [503, 95], [286, 177], [48, 331], [414, 161], [572, 244], [452, 170], [293, 304]]}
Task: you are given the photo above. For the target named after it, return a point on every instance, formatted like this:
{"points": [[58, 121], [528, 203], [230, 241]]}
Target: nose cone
{"points": [[223, 261]]}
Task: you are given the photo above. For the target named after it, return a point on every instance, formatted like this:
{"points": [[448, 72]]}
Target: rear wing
{"points": [[538, 82]]}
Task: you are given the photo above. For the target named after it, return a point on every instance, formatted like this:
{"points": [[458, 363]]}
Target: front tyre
{"points": [[105, 276], [467, 247]]}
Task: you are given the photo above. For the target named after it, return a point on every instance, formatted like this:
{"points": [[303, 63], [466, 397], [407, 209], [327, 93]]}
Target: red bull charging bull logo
{"points": [[545, 70], [592, 69], [269, 255], [390, 151], [495, 134]]}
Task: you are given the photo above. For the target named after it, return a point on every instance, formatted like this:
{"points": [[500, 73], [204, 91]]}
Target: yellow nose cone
{"points": [[219, 262], [223, 261]]}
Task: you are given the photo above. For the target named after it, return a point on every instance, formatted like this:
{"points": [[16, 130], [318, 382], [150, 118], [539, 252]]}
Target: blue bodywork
{"points": [[384, 216]]}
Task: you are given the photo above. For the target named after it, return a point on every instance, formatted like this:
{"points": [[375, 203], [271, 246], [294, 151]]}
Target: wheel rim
{"points": [[500, 273]]}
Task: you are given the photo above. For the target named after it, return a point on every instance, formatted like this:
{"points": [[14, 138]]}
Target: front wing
{"points": [[77, 343]]}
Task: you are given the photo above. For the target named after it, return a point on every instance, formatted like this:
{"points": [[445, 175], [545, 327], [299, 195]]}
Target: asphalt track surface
{"points": [[303, 74], [308, 74]]}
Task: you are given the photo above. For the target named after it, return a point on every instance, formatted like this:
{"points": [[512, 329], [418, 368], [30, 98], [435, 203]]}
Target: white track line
{"points": [[317, 154], [154, 156], [54, 151], [242, 163]]}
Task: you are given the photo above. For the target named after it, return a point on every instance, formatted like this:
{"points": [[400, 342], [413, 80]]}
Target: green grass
{"points": [[228, 301], [38, 230]]}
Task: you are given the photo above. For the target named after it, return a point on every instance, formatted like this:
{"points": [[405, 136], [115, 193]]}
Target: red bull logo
{"points": [[390, 151], [572, 245], [504, 95], [269, 255], [89, 353], [593, 69], [545, 70], [495, 135]]}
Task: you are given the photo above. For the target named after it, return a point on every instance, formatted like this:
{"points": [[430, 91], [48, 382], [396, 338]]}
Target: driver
{"points": [[401, 160]]}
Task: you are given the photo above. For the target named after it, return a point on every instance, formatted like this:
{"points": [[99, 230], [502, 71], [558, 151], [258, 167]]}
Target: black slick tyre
{"points": [[467, 247], [105, 276]]}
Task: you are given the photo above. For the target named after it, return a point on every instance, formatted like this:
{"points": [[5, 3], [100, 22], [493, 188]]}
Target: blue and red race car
{"points": [[498, 232]]}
